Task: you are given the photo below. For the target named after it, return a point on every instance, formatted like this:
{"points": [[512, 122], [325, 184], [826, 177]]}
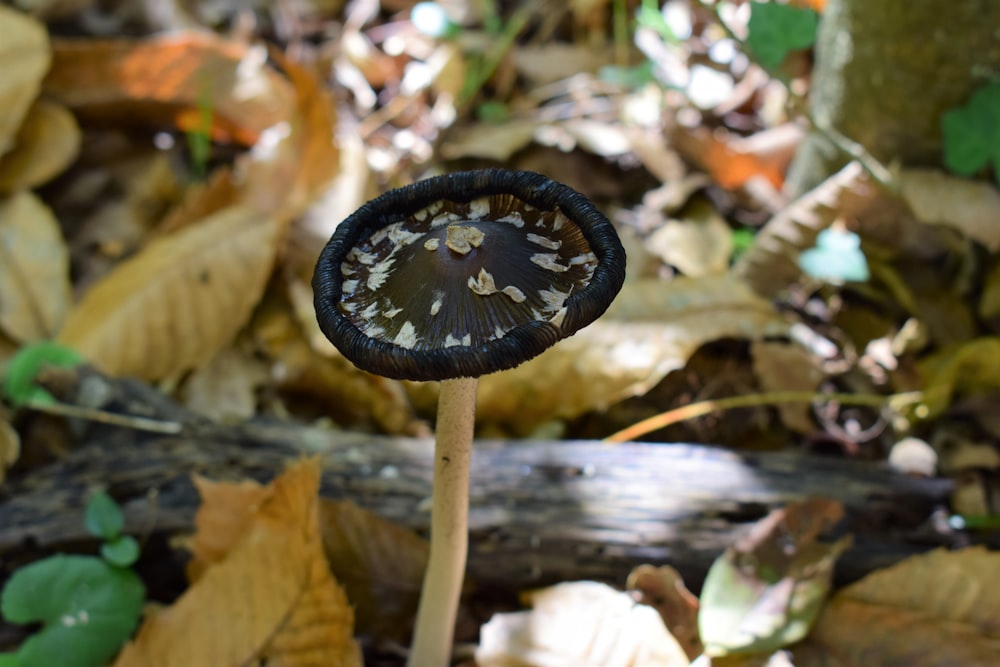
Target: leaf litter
{"points": [[204, 285]]}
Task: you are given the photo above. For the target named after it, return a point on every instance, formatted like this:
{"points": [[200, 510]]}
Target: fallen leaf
{"points": [[725, 162], [225, 389], [971, 207], [663, 589], [651, 329], [698, 245], [969, 369], [161, 79], [10, 445], [488, 141], [379, 563], [227, 510], [940, 608], [550, 61], [766, 590], [47, 143], [579, 624], [269, 600], [24, 58], [35, 290], [783, 366], [176, 303]]}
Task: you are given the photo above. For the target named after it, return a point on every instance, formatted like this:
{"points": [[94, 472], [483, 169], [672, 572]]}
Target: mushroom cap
{"points": [[465, 274]]}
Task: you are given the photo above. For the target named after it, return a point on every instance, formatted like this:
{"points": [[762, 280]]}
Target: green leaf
{"points": [[765, 591], [775, 30], [972, 134], [88, 608], [19, 379], [103, 517], [122, 551], [8, 660]]}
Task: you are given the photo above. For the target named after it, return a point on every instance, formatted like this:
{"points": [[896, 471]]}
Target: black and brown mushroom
{"points": [[449, 279]]}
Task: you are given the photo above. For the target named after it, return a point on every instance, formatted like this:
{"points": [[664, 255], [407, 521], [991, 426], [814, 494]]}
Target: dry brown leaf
{"points": [[787, 367], [285, 172], [163, 79], [10, 446], [271, 599], [939, 608], [494, 142], [971, 368], [663, 589], [696, 247], [226, 388], [176, 303], [379, 563], [47, 143], [348, 396], [24, 58], [35, 290], [971, 207], [771, 263], [579, 624], [550, 61], [651, 329]]}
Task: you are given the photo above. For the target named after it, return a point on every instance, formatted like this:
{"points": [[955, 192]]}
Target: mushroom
{"points": [[449, 279]]}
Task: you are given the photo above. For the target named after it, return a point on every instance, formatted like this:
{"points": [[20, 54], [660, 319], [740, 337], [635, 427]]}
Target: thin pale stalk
{"points": [[435, 629]]}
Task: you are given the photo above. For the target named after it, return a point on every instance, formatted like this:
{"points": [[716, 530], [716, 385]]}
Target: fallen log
{"points": [[540, 511]]}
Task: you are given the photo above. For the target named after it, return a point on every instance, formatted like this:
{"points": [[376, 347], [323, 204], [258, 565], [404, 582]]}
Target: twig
{"points": [[93, 414], [769, 398]]}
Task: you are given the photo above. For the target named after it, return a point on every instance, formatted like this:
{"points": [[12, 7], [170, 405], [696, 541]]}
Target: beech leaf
{"points": [[177, 302], [269, 600]]}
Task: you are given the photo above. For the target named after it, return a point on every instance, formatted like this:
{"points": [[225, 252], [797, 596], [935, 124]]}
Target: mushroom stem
{"points": [[435, 628]]}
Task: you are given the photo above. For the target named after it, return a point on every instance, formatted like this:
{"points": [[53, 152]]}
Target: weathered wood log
{"points": [[540, 511]]}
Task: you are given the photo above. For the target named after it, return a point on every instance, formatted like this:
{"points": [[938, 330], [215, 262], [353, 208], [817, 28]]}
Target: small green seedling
{"points": [[776, 30], [19, 386], [88, 606], [972, 135]]}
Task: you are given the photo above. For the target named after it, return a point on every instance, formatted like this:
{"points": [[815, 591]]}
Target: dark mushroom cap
{"points": [[465, 274]]}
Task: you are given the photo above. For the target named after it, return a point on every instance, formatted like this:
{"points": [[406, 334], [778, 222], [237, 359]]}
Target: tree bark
{"points": [[885, 73]]}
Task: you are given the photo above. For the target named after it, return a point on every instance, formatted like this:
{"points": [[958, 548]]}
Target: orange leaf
{"points": [[728, 167], [227, 509], [172, 306], [159, 79], [270, 600]]}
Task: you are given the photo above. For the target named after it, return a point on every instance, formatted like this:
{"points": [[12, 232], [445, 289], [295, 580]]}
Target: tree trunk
{"points": [[885, 73]]}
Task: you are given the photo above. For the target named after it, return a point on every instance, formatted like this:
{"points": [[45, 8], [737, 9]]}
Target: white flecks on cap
{"points": [[516, 295], [513, 218], [553, 298], [379, 273], [432, 244], [479, 208], [548, 262], [544, 241], [483, 284], [451, 341], [463, 238], [438, 302], [407, 336]]}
